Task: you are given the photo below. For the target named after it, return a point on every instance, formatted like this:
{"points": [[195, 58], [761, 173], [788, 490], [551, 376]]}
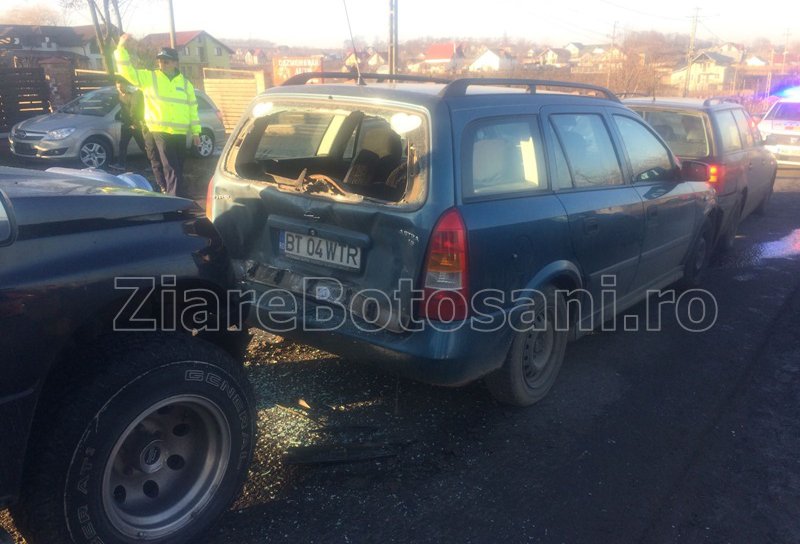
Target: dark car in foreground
{"points": [[456, 230], [723, 136], [124, 418]]}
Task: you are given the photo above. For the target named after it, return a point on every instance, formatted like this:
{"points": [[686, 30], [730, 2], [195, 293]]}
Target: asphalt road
{"points": [[669, 436]]}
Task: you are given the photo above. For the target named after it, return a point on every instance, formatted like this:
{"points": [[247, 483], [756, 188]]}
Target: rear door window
{"points": [[745, 131], [503, 156], [729, 132], [562, 179], [650, 160], [590, 153]]}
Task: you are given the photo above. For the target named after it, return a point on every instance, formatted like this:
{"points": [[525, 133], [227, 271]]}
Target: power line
{"points": [[643, 12]]}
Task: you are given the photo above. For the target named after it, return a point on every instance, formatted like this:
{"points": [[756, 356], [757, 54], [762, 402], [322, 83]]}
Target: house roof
{"points": [[87, 32], [62, 35], [440, 51], [181, 39]]}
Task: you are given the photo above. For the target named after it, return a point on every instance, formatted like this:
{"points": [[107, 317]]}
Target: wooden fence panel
{"points": [[24, 93], [90, 80], [232, 91]]}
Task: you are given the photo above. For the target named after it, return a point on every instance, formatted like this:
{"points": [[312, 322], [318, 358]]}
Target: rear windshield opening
{"points": [[685, 133], [345, 151]]}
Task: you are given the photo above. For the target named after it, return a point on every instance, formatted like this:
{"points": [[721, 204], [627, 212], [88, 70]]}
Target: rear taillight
{"points": [[210, 199], [716, 173], [445, 274]]}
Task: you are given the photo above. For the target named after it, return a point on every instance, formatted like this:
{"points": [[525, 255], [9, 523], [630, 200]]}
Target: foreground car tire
{"points": [[535, 357], [152, 447]]}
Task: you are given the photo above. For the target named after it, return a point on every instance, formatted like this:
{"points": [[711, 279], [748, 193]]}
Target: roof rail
{"points": [[459, 87], [302, 79], [721, 99]]}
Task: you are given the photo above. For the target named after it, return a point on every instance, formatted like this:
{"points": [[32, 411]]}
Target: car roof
{"points": [[429, 94], [697, 104]]}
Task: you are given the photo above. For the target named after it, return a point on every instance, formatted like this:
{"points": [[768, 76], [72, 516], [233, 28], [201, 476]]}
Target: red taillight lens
{"points": [[210, 199], [445, 274], [715, 173]]}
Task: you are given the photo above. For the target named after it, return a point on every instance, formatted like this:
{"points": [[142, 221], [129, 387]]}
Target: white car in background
{"points": [[88, 129], [780, 129]]}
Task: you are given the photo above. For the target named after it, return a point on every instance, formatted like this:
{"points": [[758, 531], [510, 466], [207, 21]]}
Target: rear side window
{"points": [[684, 132], [743, 122], [503, 156], [650, 160], [729, 132], [203, 104], [590, 153], [561, 177]]}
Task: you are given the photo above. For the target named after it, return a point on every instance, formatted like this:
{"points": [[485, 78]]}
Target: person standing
{"points": [[131, 117], [170, 110]]}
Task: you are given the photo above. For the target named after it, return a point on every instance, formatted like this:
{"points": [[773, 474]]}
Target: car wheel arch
{"points": [[565, 276]]}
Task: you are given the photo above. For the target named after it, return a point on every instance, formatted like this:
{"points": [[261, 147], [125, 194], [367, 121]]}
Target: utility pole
{"points": [[785, 51], [393, 41], [690, 53], [610, 53], [172, 39]]}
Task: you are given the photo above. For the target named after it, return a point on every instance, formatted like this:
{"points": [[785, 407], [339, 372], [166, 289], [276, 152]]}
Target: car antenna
{"points": [[353, 41]]}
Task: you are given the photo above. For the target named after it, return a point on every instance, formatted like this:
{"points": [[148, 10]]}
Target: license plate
{"points": [[319, 250]]}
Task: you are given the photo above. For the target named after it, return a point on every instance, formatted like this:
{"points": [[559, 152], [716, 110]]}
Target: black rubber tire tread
{"points": [[100, 372], [762, 206], [691, 277], [507, 384], [728, 238]]}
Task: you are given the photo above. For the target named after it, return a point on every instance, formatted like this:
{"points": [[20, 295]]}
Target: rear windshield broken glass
{"points": [[346, 151]]}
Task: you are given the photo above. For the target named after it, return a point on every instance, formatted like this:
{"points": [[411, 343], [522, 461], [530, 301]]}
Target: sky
{"points": [[322, 23]]}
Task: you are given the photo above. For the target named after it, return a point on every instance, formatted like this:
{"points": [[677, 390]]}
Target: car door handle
{"points": [[591, 226]]}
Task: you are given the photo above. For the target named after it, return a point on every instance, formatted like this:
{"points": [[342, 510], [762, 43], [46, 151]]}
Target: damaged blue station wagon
{"points": [[453, 230]]}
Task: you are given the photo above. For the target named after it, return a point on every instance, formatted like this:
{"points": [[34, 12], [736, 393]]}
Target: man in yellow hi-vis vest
{"points": [[170, 112]]}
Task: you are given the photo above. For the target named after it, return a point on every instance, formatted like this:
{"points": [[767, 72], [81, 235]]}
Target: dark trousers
{"points": [[155, 159], [126, 133], [172, 153]]}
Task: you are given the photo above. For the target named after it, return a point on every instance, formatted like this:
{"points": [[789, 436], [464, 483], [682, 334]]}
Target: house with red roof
{"points": [[197, 49]]}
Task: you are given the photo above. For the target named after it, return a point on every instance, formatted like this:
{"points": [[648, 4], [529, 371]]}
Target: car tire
{"points": [[762, 206], [535, 357], [697, 261], [728, 239], [206, 147], [95, 152], [152, 444]]}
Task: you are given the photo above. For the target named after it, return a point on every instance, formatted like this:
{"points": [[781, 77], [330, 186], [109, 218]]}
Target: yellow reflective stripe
{"points": [[151, 124]]}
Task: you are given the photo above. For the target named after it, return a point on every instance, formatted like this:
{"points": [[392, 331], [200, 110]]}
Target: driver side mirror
{"points": [[7, 226]]}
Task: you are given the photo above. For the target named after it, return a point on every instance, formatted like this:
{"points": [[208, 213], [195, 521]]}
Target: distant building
{"points": [[197, 50], [710, 73], [443, 57], [493, 60], [255, 57], [553, 57], [26, 45], [756, 61]]}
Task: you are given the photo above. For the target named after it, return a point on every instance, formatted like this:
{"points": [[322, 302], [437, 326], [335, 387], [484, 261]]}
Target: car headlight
{"points": [[59, 134]]}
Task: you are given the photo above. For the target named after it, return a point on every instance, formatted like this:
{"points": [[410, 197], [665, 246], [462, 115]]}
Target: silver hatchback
{"points": [[88, 129]]}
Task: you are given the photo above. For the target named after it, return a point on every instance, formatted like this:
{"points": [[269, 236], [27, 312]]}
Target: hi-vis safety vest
{"points": [[170, 105]]}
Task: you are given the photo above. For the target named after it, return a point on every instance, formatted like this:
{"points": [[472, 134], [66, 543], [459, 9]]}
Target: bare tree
{"points": [[107, 21], [35, 14]]}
